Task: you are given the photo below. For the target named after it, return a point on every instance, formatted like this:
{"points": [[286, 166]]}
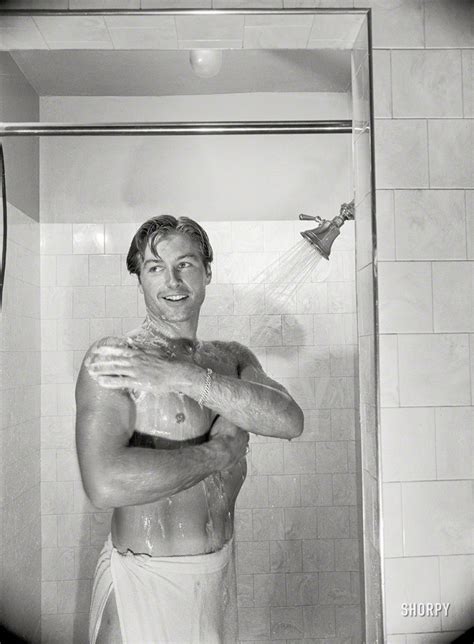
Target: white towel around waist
{"points": [[187, 599]]}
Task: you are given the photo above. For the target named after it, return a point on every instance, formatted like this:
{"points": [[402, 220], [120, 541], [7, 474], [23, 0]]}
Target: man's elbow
{"points": [[101, 502], [298, 424], [294, 423], [99, 495]]}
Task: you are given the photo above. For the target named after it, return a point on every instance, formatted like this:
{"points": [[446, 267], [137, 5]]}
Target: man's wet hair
{"points": [[156, 229]]}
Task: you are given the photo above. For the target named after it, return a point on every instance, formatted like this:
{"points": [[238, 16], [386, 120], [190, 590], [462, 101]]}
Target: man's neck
{"points": [[186, 329]]}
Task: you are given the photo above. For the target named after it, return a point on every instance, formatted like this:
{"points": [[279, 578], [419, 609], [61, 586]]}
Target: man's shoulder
{"points": [[225, 346], [231, 348], [87, 386], [107, 340]]}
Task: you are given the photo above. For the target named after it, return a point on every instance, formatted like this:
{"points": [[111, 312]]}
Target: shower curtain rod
{"points": [[181, 128], [163, 12]]}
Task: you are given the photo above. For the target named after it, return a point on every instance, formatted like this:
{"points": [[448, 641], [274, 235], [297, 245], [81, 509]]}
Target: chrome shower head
{"points": [[323, 236]]}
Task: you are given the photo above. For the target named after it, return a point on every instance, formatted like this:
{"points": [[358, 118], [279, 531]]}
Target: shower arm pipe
{"points": [[178, 128]]}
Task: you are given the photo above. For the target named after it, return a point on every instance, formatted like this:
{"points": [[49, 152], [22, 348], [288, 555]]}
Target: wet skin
{"points": [[200, 518]]}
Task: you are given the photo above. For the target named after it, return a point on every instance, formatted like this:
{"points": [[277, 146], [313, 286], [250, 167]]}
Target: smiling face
{"points": [[174, 281]]}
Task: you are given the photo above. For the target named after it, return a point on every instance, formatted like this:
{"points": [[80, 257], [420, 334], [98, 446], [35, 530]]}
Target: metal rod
{"points": [[164, 12], [173, 129]]}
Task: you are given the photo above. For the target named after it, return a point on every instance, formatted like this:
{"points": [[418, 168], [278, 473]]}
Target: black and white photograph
{"points": [[237, 322]]}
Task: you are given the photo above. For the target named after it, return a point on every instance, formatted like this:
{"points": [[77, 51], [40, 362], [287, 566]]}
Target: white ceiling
{"points": [[174, 31], [148, 55], [164, 73]]}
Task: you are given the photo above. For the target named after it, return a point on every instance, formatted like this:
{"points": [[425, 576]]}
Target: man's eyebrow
{"points": [[158, 259], [193, 255], [153, 261]]}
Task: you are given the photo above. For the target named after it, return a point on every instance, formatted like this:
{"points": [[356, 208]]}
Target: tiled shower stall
{"points": [[418, 451], [296, 519]]}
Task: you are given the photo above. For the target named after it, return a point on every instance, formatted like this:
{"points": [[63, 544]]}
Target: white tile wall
{"points": [[406, 298], [427, 83], [87, 238], [450, 160], [430, 224], [468, 89], [72, 270], [433, 524], [469, 198], [396, 23], [401, 148], [408, 444], [457, 588], [382, 70], [434, 369], [454, 442], [406, 580], [453, 296], [56, 240], [448, 24], [20, 473]]}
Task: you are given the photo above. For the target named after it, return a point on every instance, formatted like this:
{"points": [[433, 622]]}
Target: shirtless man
{"points": [[162, 432]]}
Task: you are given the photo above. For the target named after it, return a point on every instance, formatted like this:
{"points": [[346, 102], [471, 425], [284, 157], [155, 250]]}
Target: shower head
{"points": [[323, 236]]}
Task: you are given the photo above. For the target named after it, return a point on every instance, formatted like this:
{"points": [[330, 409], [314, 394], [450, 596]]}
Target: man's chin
{"points": [[171, 314]]}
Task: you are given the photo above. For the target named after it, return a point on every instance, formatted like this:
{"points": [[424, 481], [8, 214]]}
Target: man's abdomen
{"points": [[193, 521]]}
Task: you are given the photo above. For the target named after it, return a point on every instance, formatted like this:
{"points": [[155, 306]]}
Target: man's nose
{"points": [[172, 277]]}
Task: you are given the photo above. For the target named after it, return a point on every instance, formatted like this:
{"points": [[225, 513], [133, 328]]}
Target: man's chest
{"points": [[176, 417]]}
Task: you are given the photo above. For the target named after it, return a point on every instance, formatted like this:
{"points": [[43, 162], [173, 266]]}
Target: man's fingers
{"points": [[116, 382], [108, 350], [115, 363], [118, 372]]}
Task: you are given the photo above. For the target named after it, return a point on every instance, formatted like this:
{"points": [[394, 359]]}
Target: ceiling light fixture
{"points": [[206, 63]]}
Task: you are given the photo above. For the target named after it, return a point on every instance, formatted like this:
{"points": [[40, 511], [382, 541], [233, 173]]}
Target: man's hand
{"points": [[229, 441], [115, 364]]}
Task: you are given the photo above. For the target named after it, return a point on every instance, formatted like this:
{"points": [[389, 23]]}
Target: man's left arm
{"points": [[252, 400]]}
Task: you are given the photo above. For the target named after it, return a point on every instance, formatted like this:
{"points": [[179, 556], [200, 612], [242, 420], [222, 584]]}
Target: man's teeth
{"points": [[175, 298]]}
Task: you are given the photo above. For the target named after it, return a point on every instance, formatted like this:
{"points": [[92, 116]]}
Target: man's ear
{"points": [[208, 274], [140, 287]]}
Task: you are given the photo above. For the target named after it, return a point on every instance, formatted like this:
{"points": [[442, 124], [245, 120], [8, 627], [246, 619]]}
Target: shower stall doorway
{"points": [[241, 120]]}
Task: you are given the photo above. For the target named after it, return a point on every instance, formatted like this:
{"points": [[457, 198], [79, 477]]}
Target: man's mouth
{"points": [[175, 298]]}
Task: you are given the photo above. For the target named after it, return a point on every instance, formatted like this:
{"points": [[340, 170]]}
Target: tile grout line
{"points": [[391, 83], [466, 228], [398, 368], [428, 152], [423, 5], [470, 347], [432, 299], [435, 441]]}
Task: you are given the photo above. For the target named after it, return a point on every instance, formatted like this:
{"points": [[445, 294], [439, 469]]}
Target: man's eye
{"points": [[184, 264], [154, 268]]}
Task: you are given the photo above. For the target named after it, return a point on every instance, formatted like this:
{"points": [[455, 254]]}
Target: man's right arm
{"points": [[116, 475]]}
